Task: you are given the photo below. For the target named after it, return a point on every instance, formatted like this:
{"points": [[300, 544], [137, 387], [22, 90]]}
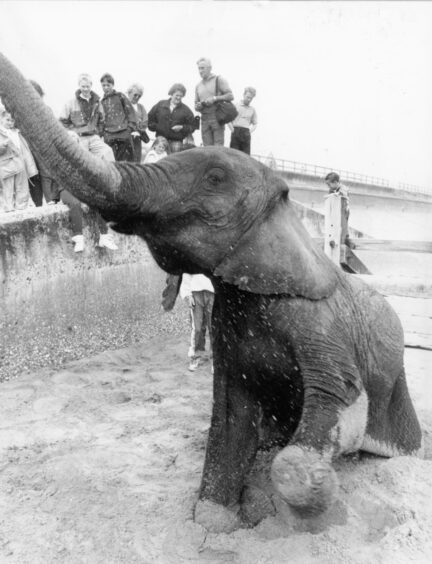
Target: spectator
{"points": [[210, 90], [172, 119], [42, 185], [336, 187], [245, 123], [119, 120], [198, 290], [84, 115], [158, 151], [134, 93], [76, 215], [16, 166]]}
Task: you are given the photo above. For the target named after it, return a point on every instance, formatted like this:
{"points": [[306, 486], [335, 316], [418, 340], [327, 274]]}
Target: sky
{"points": [[346, 85]]}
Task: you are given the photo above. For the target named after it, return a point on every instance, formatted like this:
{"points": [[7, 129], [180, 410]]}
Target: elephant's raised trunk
{"points": [[89, 178]]}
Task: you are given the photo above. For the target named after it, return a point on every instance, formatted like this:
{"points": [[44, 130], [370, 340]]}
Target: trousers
{"points": [[212, 132], [76, 214], [201, 313], [241, 139]]}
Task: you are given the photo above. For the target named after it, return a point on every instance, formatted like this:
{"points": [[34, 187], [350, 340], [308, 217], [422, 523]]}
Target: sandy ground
{"points": [[101, 462]]}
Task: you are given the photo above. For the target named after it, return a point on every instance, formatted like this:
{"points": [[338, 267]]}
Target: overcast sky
{"points": [[344, 85]]}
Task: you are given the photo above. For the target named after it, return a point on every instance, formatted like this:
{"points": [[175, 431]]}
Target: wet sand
{"points": [[101, 462]]}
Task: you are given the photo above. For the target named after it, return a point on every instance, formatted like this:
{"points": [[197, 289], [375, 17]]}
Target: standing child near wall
{"points": [[16, 166], [336, 187], [198, 290]]}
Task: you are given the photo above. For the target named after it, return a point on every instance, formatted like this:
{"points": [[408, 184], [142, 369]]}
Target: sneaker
{"points": [[193, 365], [107, 241], [191, 352], [79, 243]]}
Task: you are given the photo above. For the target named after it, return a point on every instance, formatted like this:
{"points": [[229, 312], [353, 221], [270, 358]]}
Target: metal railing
{"points": [[346, 175]]}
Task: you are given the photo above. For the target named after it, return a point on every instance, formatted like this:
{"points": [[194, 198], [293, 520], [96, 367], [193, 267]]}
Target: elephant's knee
{"points": [[304, 480]]}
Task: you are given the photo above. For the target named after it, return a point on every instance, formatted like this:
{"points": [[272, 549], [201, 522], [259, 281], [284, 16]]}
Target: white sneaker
{"points": [[193, 365], [191, 352], [79, 243], [107, 241]]}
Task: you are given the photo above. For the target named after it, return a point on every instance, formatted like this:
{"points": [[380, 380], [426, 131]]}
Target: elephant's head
{"points": [[209, 210]]}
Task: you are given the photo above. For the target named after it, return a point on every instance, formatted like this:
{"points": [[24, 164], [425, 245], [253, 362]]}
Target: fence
{"points": [[321, 171]]}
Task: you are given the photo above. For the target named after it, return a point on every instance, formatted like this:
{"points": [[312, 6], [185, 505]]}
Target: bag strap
{"points": [[217, 86]]}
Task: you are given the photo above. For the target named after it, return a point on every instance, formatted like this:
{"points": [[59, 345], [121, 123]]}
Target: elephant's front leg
{"points": [[231, 450], [333, 422]]}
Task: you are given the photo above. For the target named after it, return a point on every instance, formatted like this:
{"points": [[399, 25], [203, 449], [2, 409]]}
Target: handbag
{"points": [[226, 112], [144, 137]]}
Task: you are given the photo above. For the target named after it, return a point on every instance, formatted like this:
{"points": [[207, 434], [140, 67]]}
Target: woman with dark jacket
{"points": [[172, 119]]}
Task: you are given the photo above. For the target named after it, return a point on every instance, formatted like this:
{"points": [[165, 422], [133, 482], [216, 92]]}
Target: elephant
{"points": [[296, 341]]}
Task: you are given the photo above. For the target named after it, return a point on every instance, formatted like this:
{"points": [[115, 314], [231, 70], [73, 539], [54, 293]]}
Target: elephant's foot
{"points": [[304, 480], [255, 505], [217, 518]]}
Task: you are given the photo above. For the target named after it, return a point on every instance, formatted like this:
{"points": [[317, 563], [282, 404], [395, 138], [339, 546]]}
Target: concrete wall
{"points": [[379, 212], [57, 305]]}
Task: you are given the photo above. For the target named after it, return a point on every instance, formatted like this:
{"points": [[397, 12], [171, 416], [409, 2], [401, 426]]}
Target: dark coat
{"points": [[161, 120], [120, 117]]}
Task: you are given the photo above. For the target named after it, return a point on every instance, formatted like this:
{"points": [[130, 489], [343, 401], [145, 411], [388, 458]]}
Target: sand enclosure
{"points": [[101, 462]]}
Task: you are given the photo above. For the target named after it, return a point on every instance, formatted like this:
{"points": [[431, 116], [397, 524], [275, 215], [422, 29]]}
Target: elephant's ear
{"points": [[277, 256]]}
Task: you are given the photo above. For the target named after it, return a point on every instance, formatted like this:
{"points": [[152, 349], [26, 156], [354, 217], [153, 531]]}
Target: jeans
{"points": [[76, 214], [14, 192], [212, 132], [123, 149], [201, 313], [41, 186]]}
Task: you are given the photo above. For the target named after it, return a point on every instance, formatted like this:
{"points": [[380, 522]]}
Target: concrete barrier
{"points": [[57, 305]]}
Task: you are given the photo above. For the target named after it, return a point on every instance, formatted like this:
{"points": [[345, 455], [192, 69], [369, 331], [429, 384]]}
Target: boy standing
{"points": [[245, 123], [336, 187], [198, 290], [119, 120]]}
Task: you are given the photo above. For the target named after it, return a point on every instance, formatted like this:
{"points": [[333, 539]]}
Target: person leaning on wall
{"points": [[336, 187]]}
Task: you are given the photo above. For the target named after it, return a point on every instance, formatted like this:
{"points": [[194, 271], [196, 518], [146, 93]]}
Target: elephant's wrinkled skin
{"points": [[296, 340]]}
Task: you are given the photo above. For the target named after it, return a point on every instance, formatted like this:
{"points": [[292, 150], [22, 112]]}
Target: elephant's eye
{"points": [[215, 176]]}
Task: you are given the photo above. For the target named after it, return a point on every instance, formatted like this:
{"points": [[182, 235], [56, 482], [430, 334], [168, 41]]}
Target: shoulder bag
{"points": [[226, 112]]}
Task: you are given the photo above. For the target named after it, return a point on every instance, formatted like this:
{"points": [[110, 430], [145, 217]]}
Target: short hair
{"points": [[160, 140], [107, 77], [177, 87], [332, 177], [85, 76], [250, 89], [136, 86], [204, 60], [37, 87]]}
